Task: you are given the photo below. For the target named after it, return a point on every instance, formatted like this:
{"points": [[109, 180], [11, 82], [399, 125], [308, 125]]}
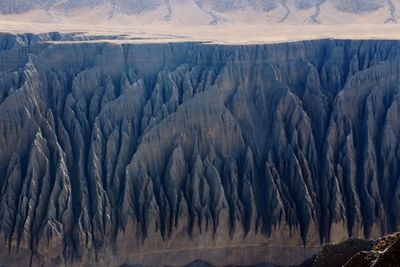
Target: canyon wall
{"points": [[166, 153]]}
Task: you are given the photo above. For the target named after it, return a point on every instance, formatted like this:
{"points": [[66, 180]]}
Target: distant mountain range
{"points": [[222, 11]]}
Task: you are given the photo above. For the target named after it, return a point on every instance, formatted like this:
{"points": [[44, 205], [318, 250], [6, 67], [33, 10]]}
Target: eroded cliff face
{"points": [[168, 153]]}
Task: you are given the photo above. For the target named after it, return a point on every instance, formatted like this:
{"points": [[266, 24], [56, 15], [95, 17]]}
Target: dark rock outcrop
{"points": [[167, 153], [337, 255], [385, 253]]}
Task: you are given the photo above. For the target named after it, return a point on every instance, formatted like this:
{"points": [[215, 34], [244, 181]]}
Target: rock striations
{"points": [[166, 153]]}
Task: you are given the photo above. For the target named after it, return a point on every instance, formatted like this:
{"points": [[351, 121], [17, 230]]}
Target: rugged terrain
{"points": [[167, 153], [385, 253], [358, 253]]}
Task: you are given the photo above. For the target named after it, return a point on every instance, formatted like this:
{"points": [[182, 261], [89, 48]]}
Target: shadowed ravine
{"points": [[168, 153]]}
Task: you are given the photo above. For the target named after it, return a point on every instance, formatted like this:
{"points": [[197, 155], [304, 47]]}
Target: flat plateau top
{"points": [[227, 34]]}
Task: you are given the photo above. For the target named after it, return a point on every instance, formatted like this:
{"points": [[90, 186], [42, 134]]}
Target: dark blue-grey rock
{"points": [[162, 154]]}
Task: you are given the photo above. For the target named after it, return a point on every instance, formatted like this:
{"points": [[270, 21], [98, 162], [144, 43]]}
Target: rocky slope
{"points": [[168, 153], [385, 253], [359, 253]]}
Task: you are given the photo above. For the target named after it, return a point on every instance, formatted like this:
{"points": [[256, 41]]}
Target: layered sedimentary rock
{"points": [[159, 154]]}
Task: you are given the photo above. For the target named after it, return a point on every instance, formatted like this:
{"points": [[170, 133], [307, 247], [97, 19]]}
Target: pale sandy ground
{"points": [[188, 23], [238, 34]]}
